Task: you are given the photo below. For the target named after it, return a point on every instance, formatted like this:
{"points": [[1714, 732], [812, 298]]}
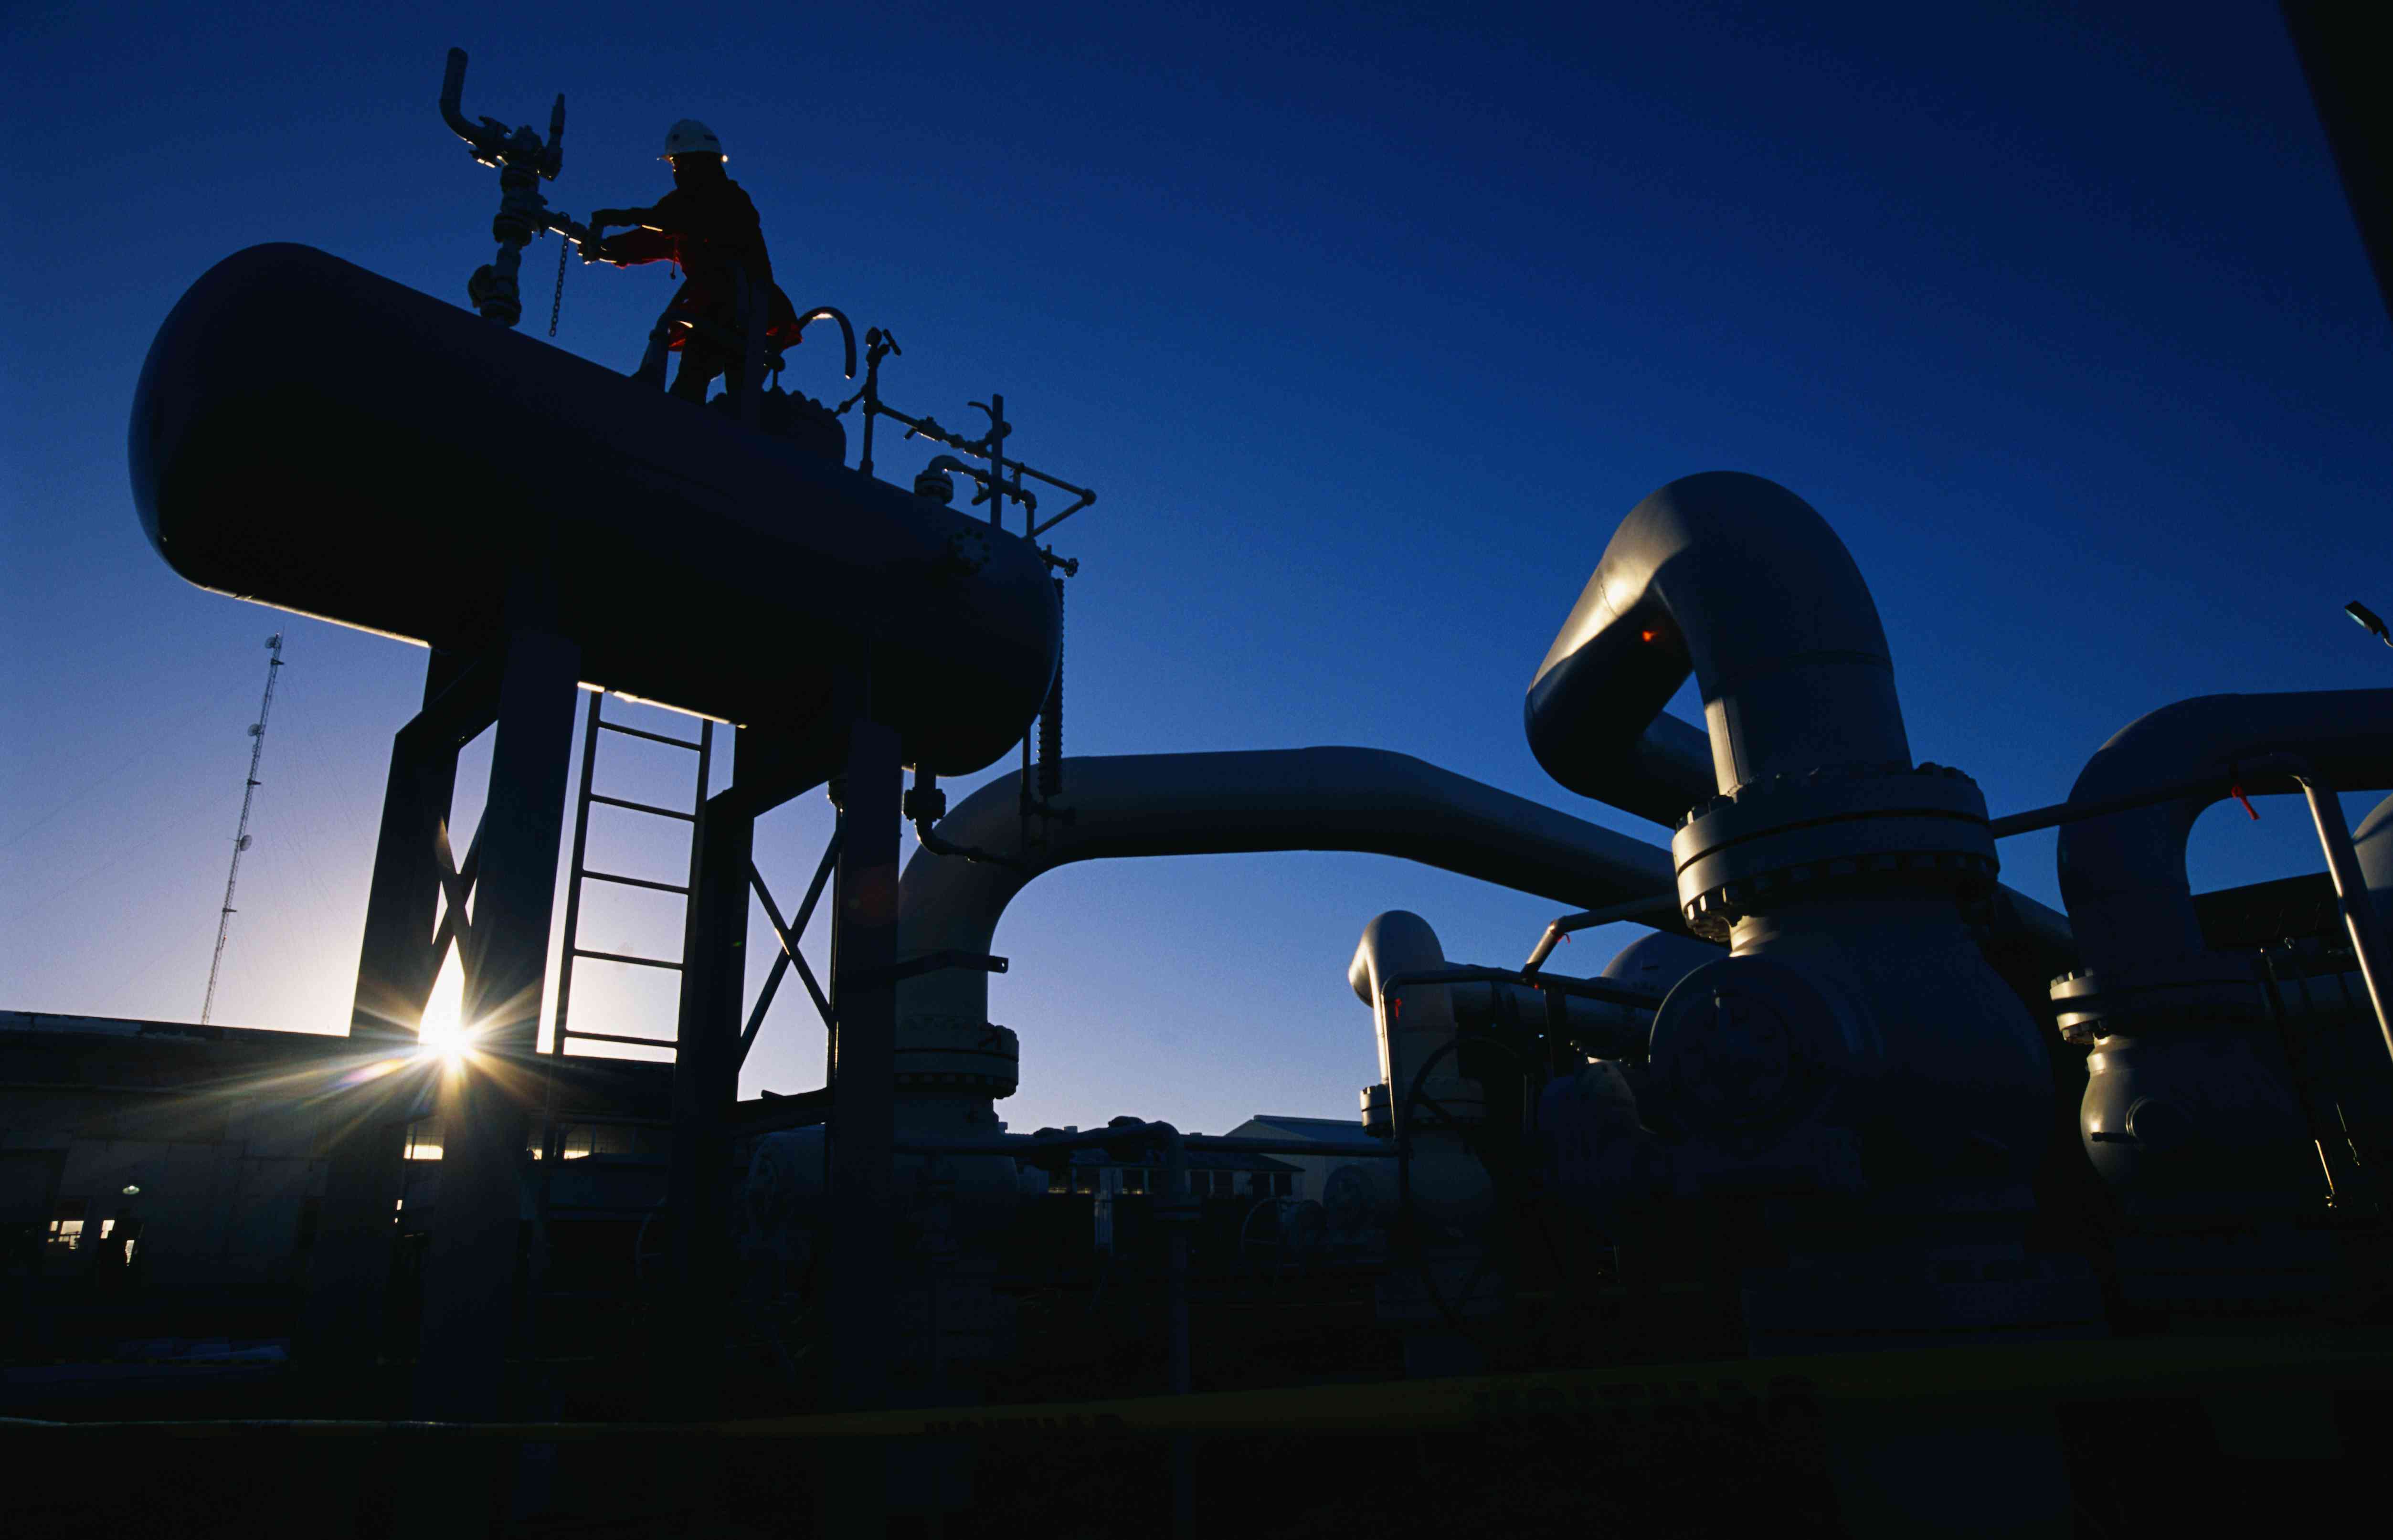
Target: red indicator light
{"points": [[1647, 636]]}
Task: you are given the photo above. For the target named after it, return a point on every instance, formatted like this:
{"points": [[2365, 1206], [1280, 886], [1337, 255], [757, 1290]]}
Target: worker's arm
{"points": [[719, 215], [633, 247], [640, 245]]}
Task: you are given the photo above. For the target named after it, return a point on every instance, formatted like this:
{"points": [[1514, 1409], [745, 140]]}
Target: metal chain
{"points": [[556, 302]]}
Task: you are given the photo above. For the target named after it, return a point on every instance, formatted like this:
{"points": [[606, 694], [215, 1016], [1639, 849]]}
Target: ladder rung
{"points": [[634, 882], [652, 737], [618, 957], [618, 1037], [645, 807]]}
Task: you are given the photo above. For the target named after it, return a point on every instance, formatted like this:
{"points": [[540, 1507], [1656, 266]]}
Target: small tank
{"points": [[310, 435]]}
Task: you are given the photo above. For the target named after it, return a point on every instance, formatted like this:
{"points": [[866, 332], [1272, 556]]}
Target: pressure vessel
{"points": [[310, 435]]}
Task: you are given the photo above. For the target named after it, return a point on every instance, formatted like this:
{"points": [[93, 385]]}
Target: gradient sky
{"points": [[1368, 323]]}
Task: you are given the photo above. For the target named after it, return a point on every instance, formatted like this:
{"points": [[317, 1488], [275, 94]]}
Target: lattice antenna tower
{"points": [[240, 834]]}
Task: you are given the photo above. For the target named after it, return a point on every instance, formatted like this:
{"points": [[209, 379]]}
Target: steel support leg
{"points": [[349, 1271], [397, 966], [706, 1083], [767, 771], [856, 1315], [470, 1276]]}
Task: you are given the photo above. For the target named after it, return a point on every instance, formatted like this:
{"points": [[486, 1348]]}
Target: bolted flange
{"points": [[1378, 1120], [2207, 989], [1837, 830], [954, 1053]]}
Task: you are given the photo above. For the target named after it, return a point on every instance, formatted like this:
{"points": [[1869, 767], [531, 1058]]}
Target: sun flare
{"points": [[443, 1035]]}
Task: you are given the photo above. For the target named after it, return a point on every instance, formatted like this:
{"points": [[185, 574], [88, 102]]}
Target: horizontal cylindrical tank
{"points": [[312, 436]]}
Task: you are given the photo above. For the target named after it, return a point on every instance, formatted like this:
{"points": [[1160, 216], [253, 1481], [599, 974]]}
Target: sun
{"points": [[443, 1035]]}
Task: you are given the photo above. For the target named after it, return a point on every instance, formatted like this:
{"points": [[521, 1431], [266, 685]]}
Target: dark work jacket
{"points": [[710, 229]]}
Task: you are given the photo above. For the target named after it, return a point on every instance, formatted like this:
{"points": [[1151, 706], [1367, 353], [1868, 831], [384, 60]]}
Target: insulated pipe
{"points": [[2122, 876], [2372, 842], [1215, 803], [1414, 1021], [1738, 580], [1446, 1186], [1663, 771]]}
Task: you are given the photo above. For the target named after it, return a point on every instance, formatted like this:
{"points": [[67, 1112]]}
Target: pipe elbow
{"points": [[1736, 580], [1420, 1021], [2122, 876], [1392, 943], [2372, 842]]}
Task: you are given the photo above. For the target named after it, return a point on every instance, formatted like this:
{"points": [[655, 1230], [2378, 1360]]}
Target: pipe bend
{"points": [[1401, 942], [2123, 878], [2373, 842], [1737, 580], [1346, 799]]}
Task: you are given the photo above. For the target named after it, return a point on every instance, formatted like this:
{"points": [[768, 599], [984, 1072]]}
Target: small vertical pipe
{"points": [[872, 402], [996, 459]]}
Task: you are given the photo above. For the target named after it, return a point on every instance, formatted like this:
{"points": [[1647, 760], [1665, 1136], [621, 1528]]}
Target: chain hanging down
{"points": [[556, 301]]}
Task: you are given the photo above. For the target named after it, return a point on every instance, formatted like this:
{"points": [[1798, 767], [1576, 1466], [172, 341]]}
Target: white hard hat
{"points": [[690, 137]]}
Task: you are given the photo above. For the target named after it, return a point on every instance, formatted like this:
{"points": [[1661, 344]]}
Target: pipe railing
{"points": [[2360, 916], [1643, 910], [2210, 787]]}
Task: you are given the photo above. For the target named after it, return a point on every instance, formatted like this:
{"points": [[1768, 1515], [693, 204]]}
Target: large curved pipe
{"points": [[1417, 1026], [2374, 842], [1416, 1023], [2122, 876], [1739, 581], [1663, 772], [1217, 804]]}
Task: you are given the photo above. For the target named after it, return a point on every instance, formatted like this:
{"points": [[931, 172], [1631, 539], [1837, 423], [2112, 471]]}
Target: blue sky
{"points": [[1368, 323]]}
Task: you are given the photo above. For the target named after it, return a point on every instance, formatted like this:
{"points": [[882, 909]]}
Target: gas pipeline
{"points": [[1850, 1096]]}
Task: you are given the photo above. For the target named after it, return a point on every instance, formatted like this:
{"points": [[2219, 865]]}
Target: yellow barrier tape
{"points": [[2047, 1371]]}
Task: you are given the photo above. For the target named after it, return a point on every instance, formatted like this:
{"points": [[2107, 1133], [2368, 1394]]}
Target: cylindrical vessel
{"points": [[413, 467]]}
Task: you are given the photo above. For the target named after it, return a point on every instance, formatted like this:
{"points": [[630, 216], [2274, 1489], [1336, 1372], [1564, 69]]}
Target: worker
{"points": [[707, 226]]}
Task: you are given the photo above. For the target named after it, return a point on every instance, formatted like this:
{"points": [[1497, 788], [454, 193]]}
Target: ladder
{"points": [[703, 747]]}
